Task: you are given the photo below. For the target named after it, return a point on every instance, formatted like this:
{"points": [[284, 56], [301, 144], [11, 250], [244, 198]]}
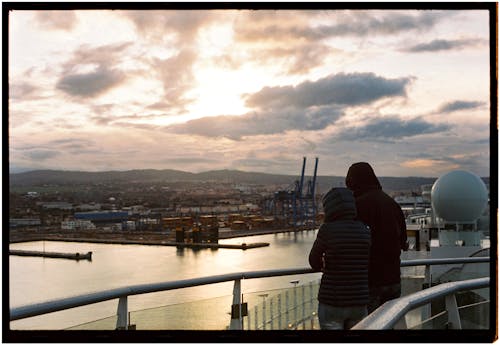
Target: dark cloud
{"points": [[56, 20], [71, 144], [90, 84], [101, 78], [391, 128], [459, 105], [41, 154], [188, 160], [438, 45], [261, 123], [343, 23], [340, 89], [482, 141]]}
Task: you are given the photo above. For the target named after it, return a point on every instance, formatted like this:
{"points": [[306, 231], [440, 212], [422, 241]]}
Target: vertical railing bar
{"points": [[303, 307], [122, 313], [452, 310], [248, 321], [287, 316], [295, 306], [426, 309], [279, 312], [264, 314], [271, 313], [256, 317], [236, 323], [311, 311]]}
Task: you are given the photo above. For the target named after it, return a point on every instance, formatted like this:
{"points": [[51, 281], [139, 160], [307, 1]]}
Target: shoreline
{"points": [[149, 238]]}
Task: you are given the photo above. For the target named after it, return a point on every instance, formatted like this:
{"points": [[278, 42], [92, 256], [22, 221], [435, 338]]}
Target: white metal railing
{"points": [[387, 315], [236, 319]]}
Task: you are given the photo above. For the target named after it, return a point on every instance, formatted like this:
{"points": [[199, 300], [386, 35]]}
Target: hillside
{"points": [[57, 177]]}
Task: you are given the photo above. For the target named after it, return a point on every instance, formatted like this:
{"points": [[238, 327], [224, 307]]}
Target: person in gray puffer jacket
{"points": [[341, 251]]}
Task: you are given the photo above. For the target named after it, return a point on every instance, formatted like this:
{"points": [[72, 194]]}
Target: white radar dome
{"points": [[459, 196]]}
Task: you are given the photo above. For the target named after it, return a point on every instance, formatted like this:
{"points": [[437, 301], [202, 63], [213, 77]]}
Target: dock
{"points": [[54, 255], [243, 246]]}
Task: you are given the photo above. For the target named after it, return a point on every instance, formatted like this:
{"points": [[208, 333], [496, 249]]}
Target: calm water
{"points": [[33, 279]]}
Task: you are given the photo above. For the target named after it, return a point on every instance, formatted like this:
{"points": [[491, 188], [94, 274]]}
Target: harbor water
{"points": [[36, 279]]}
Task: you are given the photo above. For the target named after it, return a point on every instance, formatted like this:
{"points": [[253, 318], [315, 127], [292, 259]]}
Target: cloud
{"points": [[469, 161], [439, 45], [459, 105], [21, 90], [56, 20], [300, 57], [90, 71], [340, 89], [301, 39], [74, 144], [391, 128], [176, 74], [41, 154], [309, 106], [90, 84], [261, 123], [285, 26], [183, 25]]}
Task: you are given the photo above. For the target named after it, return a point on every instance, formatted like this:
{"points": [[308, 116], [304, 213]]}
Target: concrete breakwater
{"points": [[55, 255]]}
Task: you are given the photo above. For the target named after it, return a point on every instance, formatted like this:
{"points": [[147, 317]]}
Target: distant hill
{"points": [[57, 177]]}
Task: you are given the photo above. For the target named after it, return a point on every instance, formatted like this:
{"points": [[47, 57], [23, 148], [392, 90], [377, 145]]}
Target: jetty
{"points": [[243, 246], [55, 255]]}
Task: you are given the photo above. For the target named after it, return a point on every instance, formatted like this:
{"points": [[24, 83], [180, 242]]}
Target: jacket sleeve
{"points": [[317, 251]]}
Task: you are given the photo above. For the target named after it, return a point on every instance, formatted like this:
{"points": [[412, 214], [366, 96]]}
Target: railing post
{"points": [[287, 316], [256, 317], [264, 314], [453, 315], [279, 311], [122, 313], [271, 316], [295, 303], [426, 309], [236, 320], [303, 307]]}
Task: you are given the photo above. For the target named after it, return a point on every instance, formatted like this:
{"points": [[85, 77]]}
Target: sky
{"points": [[98, 90]]}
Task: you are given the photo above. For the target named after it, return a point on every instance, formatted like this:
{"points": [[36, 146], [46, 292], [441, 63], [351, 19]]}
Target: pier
{"points": [[54, 255]]}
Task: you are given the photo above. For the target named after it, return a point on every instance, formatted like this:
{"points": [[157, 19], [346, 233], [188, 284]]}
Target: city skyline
{"points": [[98, 90]]}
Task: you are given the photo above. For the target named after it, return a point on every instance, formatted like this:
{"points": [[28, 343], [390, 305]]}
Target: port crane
{"points": [[294, 206]]}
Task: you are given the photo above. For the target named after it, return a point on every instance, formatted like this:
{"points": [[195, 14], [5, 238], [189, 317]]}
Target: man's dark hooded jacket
{"points": [[341, 250], [386, 222]]}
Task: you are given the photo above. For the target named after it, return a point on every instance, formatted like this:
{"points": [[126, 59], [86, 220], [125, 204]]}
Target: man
{"points": [[387, 225], [341, 250]]}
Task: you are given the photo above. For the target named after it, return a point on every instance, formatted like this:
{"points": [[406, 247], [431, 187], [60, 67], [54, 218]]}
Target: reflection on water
{"points": [[35, 279]]}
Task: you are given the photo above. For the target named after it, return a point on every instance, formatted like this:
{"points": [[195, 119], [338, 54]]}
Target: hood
{"points": [[339, 204], [361, 177]]}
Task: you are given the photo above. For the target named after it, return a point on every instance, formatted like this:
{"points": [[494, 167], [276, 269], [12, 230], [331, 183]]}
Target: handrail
{"points": [[81, 300], [387, 315], [101, 296]]}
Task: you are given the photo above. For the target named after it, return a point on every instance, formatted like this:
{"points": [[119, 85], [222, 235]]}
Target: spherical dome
{"points": [[459, 196]]}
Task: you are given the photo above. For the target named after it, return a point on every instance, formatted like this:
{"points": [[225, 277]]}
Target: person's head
{"points": [[361, 176], [339, 204]]}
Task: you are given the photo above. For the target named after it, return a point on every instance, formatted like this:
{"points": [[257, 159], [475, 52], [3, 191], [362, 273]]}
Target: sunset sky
{"points": [[97, 90]]}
